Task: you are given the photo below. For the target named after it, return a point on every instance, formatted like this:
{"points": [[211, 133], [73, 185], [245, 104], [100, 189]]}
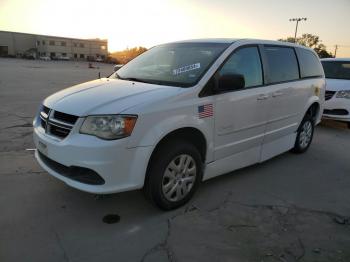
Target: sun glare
{"points": [[146, 23]]}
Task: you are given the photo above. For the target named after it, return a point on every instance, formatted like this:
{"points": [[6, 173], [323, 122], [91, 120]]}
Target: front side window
{"points": [[245, 61], [283, 64], [176, 64], [337, 69], [310, 65]]}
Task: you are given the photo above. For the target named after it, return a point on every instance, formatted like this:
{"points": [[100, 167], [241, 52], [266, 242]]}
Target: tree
{"points": [[128, 54], [312, 41]]}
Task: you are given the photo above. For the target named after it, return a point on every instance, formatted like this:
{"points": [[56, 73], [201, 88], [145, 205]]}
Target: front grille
{"points": [[43, 124], [57, 123], [338, 112], [71, 119], [46, 109], [80, 174], [58, 130], [329, 95]]}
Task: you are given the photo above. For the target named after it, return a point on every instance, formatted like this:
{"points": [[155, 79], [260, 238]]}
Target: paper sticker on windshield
{"points": [[187, 68]]}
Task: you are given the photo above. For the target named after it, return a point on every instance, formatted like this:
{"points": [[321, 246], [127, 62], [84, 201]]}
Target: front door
{"points": [[241, 116]]}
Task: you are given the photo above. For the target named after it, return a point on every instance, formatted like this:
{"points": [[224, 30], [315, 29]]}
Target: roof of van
{"points": [[336, 59], [232, 40], [210, 40]]}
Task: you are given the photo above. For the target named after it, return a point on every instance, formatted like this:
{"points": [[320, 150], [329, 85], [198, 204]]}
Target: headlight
{"points": [[343, 94], [109, 126]]}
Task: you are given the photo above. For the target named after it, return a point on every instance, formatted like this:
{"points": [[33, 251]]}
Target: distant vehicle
{"points": [[45, 58], [181, 113], [29, 56], [337, 104], [64, 58], [99, 59], [117, 67]]}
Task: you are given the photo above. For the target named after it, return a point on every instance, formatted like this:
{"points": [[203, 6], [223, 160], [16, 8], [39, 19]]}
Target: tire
{"points": [[169, 183], [305, 134], [349, 125]]}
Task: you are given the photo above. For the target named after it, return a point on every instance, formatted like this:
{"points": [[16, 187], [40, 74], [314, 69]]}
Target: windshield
{"points": [[177, 64], [336, 69]]}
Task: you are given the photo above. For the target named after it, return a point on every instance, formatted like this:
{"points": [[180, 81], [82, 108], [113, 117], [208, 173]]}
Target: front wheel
{"points": [[174, 174], [304, 135]]}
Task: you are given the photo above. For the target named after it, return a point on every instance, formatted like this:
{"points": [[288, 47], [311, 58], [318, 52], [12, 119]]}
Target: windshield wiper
{"points": [[116, 74], [134, 79]]}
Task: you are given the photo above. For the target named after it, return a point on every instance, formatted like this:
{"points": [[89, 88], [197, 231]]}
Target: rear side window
{"points": [[245, 61], [310, 65], [283, 64]]}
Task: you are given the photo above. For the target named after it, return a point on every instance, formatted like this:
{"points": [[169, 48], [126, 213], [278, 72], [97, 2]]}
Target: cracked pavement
{"points": [[290, 208]]}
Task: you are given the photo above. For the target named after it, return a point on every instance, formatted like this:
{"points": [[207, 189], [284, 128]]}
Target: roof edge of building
{"points": [[72, 38]]}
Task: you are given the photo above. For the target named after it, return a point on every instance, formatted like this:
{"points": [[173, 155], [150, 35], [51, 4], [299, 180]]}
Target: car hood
{"points": [[337, 84], [106, 96]]}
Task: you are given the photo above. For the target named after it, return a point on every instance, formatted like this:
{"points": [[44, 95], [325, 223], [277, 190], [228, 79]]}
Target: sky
{"points": [[129, 23]]}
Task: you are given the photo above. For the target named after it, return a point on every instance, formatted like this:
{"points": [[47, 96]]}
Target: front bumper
{"points": [[121, 168], [337, 109]]}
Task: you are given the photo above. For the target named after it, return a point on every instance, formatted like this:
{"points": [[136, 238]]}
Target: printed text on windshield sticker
{"points": [[186, 68]]}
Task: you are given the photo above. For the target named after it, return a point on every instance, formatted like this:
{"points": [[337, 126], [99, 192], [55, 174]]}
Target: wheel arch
{"points": [[315, 111], [315, 107], [189, 134]]}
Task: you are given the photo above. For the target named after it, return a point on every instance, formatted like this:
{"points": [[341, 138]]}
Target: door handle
{"points": [[263, 97], [275, 94]]}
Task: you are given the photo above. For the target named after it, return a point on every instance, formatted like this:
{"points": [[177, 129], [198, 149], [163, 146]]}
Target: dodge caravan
{"points": [[181, 113]]}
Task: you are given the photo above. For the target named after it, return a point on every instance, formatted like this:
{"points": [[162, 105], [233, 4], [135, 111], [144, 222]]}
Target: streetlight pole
{"points": [[335, 51], [298, 19]]}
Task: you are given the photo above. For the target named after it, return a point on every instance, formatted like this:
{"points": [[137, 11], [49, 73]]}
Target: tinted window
{"points": [[336, 69], [283, 64], [245, 61], [309, 63]]}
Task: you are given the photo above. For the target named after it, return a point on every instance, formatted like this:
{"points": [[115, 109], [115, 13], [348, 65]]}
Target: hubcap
{"points": [[305, 134], [179, 177]]}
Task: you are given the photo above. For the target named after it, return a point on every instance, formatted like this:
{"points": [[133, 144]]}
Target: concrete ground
{"points": [[290, 208]]}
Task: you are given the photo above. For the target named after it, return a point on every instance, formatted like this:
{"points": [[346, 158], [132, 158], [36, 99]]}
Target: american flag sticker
{"points": [[205, 111]]}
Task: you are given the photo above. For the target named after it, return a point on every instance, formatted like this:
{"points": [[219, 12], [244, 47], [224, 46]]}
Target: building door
{"points": [[4, 50]]}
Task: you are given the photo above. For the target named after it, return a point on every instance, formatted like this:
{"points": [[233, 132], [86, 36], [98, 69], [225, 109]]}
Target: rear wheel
{"points": [[174, 174], [304, 134]]}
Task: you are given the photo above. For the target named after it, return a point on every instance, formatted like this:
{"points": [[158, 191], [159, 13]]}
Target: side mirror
{"points": [[230, 82], [117, 67]]}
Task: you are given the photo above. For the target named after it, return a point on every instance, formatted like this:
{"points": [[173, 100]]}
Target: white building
{"points": [[22, 44]]}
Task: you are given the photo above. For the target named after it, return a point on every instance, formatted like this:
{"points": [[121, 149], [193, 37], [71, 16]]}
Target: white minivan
{"points": [[181, 113]]}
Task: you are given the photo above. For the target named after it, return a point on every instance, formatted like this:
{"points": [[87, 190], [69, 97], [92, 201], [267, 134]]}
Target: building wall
{"points": [[18, 43]]}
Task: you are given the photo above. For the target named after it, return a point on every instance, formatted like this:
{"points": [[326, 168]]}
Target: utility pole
{"points": [[335, 51], [298, 19]]}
